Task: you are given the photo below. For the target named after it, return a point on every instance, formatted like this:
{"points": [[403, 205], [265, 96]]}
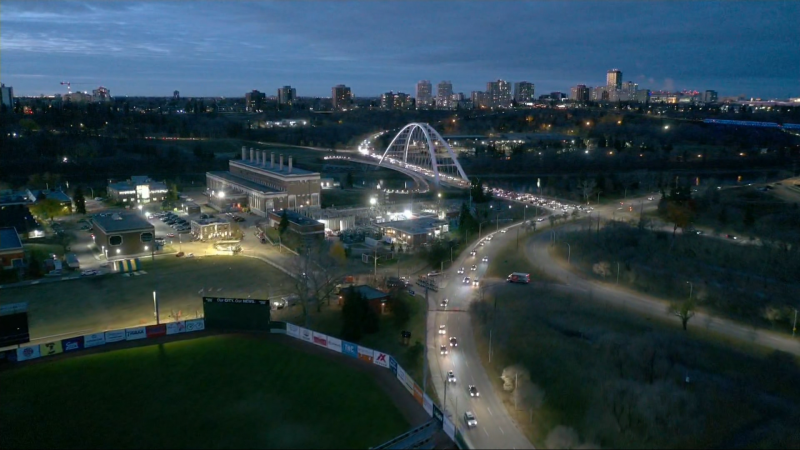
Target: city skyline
{"points": [[139, 49]]}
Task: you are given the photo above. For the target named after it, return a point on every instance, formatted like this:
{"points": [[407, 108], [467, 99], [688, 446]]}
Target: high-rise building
{"points": [[614, 79], [391, 100], [7, 96], [599, 94], [643, 96], [254, 100], [176, 95], [557, 96], [580, 93], [101, 94], [287, 95], [444, 94], [341, 97], [524, 92], [424, 94], [499, 93], [480, 100], [710, 96], [630, 88]]}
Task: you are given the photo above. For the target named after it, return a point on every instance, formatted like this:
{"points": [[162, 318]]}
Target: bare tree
{"points": [[683, 310], [586, 187], [602, 268]]}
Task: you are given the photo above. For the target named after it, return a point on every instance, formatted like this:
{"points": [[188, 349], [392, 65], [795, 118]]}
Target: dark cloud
{"points": [[226, 48]]}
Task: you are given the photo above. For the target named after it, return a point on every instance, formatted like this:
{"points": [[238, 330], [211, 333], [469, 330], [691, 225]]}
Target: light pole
{"points": [[155, 308], [569, 251], [691, 287]]}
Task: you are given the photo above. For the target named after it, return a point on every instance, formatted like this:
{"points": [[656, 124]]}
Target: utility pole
{"points": [[794, 328], [425, 358], [617, 272], [155, 308]]}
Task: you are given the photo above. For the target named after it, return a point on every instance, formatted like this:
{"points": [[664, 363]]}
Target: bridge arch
{"points": [[420, 145]]}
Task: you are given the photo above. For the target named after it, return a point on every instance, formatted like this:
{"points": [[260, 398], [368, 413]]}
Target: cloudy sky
{"points": [[228, 48]]}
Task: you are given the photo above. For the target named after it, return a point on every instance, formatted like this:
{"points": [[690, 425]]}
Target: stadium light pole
{"points": [[155, 308]]}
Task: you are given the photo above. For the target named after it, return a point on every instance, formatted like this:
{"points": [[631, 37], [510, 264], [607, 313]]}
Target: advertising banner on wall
{"points": [[381, 359], [437, 414], [195, 325], [26, 353], [350, 349], [50, 348], [176, 327], [335, 344], [365, 354], [393, 365], [94, 339], [156, 330], [305, 334], [293, 330], [115, 336], [449, 427], [409, 382], [320, 339], [72, 344], [418, 394], [132, 334], [427, 404]]}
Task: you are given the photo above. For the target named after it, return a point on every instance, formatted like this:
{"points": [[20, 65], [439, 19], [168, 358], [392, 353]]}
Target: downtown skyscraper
{"points": [[424, 94], [444, 95]]}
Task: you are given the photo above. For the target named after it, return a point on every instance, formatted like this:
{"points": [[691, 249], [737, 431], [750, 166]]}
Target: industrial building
{"points": [[137, 190], [415, 232], [304, 226], [121, 235]]}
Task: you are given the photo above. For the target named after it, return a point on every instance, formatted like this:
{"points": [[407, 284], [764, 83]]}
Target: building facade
{"points": [[580, 93], [424, 94], [444, 94], [209, 229], [710, 96], [391, 100], [415, 232], [614, 79], [122, 235], [341, 97], [12, 254], [305, 227], [524, 92], [7, 96], [480, 100], [101, 95], [287, 95], [137, 190], [499, 93], [254, 101], [263, 185]]}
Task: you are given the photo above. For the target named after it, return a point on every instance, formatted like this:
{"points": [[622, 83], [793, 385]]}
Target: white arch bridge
{"points": [[419, 147]]}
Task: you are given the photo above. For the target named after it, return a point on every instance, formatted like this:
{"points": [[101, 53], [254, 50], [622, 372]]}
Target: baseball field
{"points": [[229, 391]]}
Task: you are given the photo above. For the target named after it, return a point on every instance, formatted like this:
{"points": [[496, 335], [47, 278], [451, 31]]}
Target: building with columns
{"points": [[263, 183]]}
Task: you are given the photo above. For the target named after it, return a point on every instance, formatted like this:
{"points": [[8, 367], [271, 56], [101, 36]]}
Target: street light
{"points": [[569, 252], [691, 288]]}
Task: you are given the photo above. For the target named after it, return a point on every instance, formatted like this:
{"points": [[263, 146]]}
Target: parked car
{"points": [[179, 254]]}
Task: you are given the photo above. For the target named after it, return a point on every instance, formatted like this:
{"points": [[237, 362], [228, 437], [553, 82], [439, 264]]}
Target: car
{"points": [[485, 259], [466, 280], [179, 254], [411, 292], [473, 391], [460, 271], [90, 272], [540, 219], [443, 350], [482, 243], [730, 236], [473, 253], [475, 282], [190, 255], [504, 230], [474, 267], [171, 235], [444, 302], [451, 377], [441, 329], [651, 198], [453, 342], [470, 420]]}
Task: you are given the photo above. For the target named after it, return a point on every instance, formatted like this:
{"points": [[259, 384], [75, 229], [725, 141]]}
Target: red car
{"points": [[171, 235]]}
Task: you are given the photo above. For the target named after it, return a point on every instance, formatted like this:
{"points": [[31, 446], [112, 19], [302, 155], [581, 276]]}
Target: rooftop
{"points": [[209, 221], [118, 222], [52, 194], [274, 170], [136, 181], [368, 292], [227, 176], [9, 239], [415, 226], [297, 217]]}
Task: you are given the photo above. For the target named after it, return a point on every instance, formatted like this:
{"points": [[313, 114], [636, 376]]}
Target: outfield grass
{"points": [[213, 392], [114, 301]]}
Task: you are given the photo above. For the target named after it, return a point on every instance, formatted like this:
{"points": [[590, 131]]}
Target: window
{"points": [[115, 240], [146, 237]]}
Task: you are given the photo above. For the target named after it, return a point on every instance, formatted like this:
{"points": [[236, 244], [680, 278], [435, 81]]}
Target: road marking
{"points": [[501, 430], [487, 433], [490, 411]]}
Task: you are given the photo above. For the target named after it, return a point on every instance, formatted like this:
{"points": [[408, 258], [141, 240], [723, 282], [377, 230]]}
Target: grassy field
{"points": [[213, 392], [514, 260], [619, 380], [114, 301]]}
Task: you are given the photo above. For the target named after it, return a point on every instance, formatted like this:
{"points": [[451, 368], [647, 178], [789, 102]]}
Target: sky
{"points": [[227, 48]]}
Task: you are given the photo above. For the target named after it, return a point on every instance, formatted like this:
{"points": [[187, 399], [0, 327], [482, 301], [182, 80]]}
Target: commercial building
{"points": [[424, 94], [444, 94], [101, 95], [643, 96], [499, 93], [287, 95], [415, 232], [254, 101], [710, 97], [306, 227], [341, 97], [138, 189], [630, 88], [12, 254], [208, 229], [121, 235], [614, 79], [599, 94], [579, 93], [524, 92], [263, 185], [7, 96]]}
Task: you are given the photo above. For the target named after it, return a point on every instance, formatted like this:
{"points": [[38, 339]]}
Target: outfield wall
{"points": [[73, 344], [370, 356]]}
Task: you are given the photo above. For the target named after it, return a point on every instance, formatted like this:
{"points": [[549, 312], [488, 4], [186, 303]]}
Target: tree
{"points": [[401, 312], [349, 179], [80, 201], [358, 318], [683, 310], [48, 209], [602, 268], [284, 224], [338, 253], [586, 187]]}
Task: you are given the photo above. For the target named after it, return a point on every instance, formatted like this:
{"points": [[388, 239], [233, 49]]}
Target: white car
{"points": [[469, 418], [460, 271], [466, 280], [90, 272], [474, 267], [451, 377], [504, 230], [441, 329], [473, 253], [485, 259], [443, 350]]}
